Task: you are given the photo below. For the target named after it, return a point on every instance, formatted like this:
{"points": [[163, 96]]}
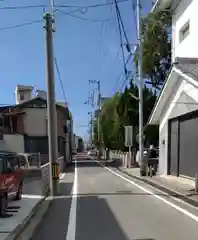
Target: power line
{"points": [[90, 6], [82, 18], [124, 31], [134, 15], [20, 25], [22, 7], [121, 39], [60, 80]]}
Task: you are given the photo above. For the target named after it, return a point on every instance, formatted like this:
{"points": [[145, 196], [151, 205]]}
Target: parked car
{"points": [[11, 179]]}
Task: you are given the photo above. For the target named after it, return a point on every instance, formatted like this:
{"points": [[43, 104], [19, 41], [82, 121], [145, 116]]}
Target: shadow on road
{"points": [[95, 220], [54, 223]]}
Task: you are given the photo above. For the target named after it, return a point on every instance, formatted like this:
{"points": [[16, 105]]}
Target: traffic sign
{"points": [[128, 136]]}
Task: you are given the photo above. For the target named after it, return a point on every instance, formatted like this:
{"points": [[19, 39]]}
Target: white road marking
{"points": [[84, 161], [62, 175], [71, 231], [32, 196], [187, 213]]}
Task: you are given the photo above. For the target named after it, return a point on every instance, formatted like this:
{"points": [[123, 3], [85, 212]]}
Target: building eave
{"points": [[162, 98], [172, 80], [161, 5]]}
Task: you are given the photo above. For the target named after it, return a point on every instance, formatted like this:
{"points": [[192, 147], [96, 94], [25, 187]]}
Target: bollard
{"points": [[196, 183], [125, 161]]}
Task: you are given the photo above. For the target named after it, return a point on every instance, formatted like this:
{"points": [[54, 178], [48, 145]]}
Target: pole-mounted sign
{"points": [[128, 136]]}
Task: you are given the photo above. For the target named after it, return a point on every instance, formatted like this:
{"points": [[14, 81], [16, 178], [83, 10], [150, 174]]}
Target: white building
{"points": [[176, 110]]}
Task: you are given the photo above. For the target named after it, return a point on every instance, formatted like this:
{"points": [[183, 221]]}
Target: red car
{"points": [[11, 179]]}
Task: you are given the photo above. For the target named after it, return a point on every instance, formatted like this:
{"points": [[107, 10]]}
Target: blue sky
{"points": [[84, 50]]}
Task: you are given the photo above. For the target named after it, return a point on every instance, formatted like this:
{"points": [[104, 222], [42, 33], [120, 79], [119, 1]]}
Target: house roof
{"points": [[161, 5], [33, 100], [187, 66]]}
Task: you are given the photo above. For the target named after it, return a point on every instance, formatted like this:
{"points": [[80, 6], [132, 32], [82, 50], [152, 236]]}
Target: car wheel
{"points": [[19, 192], [3, 205]]}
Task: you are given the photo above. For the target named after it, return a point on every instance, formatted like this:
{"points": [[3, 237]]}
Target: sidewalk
{"points": [[19, 212], [176, 186]]}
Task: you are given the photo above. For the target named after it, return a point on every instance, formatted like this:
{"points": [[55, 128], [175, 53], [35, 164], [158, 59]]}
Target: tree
{"points": [[156, 43], [121, 110], [108, 123]]}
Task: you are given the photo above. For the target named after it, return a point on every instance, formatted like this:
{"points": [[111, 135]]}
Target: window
{"points": [[13, 162], [22, 97], [184, 31]]}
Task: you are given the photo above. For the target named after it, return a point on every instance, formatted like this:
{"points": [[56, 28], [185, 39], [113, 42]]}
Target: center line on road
{"points": [[71, 231], [185, 212]]}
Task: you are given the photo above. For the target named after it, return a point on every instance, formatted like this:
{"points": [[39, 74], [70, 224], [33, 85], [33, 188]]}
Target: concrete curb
{"points": [[28, 231], [163, 188], [25, 230], [17, 231]]}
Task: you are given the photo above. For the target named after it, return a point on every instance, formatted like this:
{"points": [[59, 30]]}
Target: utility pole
{"points": [[51, 106], [139, 29], [98, 105], [91, 127]]}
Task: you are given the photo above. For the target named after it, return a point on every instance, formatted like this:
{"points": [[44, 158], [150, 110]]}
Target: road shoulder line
{"points": [[185, 212]]}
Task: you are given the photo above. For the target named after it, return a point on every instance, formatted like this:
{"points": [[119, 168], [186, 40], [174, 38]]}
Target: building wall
{"points": [[185, 100], [13, 143], [186, 10], [35, 123], [61, 120]]}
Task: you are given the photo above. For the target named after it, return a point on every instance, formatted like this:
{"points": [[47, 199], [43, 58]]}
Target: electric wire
{"points": [[60, 79], [91, 6], [121, 39], [82, 18], [20, 25], [22, 7]]}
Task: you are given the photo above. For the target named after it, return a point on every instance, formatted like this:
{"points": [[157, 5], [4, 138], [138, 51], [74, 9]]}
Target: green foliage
{"points": [[156, 43], [122, 110]]}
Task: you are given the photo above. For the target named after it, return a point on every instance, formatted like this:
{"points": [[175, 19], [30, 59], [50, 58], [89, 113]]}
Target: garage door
{"points": [[173, 161], [188, 146]]}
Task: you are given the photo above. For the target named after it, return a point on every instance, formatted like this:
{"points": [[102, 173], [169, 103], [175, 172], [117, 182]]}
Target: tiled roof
{"points": [[188, 66]]}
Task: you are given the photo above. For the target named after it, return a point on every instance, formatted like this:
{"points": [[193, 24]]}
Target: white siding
{"points": [[186, 11], [13, 143], [183, 101], [35, 121]]}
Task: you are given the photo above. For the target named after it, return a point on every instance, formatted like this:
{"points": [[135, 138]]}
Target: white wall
{"points": [[13, 143], [26, 93], [183, 101], [187, 10], [35, 121]]}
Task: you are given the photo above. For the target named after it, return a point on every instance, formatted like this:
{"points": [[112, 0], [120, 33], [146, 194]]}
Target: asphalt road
{"points": [[108, 205]]}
